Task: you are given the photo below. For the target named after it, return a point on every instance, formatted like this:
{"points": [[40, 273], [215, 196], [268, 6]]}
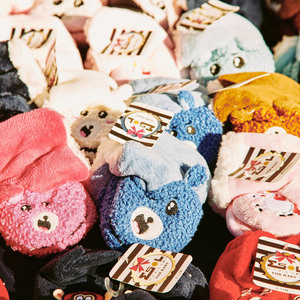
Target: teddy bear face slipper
{"points": [[42, 180]]}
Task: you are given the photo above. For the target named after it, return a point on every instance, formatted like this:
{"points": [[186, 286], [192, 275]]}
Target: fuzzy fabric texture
{"points": [[15, 7], [19, 91], [257, 203], [199, 126], [80, 269], [233, 150], [273, 90], [3, 291], [232, 277], [232, 44], [165, 218], [287, 57], [91, 103], [171, 172], [133, 46], [74, 14], [41, 179], [192, 122]]}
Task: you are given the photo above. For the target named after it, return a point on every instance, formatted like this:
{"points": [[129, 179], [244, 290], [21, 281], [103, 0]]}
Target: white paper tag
{"points": [[150, 268], [131, 43], [277, 266], [265, 165], [142, 123], [203, 16]]}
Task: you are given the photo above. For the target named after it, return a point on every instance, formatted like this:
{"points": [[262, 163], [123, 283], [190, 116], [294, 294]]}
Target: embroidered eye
{"points": [[78, 3], [79, 297], [191, 130], [238, 62], [102, 114], [45, 203], [173, 132], [26, 207], [84, 113], [171, 208], [57, 2], [215, 69]]}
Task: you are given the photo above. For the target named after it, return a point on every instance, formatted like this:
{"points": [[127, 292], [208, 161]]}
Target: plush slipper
{"points": [[132, 46], [232, 277], [172, 173], [42, 181], [81, 271], [231, 44], [255, 183]]}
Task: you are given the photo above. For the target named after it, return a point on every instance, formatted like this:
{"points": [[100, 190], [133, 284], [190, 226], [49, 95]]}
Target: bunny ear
{"points": [[35, 155], [186, 100]]}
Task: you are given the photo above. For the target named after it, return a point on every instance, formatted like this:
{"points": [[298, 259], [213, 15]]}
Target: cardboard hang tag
{"points": [[277, 266], [150, 268], [265, 165], [205, 15], [42, 42], [142, 123], [133, 43]]}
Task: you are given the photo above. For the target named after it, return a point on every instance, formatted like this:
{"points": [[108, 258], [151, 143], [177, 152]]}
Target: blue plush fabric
{"points": [[198, 125], [189, 114], [124, 196]]}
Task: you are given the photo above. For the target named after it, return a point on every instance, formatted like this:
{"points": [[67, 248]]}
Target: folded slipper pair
{"points": [[210, 42], [81, 271], [255, 184], [132, 45], [151, 195], [193, 122], [44, 206], [233, 275]]}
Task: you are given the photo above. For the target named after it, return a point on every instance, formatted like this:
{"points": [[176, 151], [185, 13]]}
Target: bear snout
{"points": [[45, 222]]}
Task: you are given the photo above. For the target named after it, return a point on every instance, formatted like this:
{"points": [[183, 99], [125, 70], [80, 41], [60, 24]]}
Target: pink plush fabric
{"points": [[43, 204], [38, 224], [35, 155]]}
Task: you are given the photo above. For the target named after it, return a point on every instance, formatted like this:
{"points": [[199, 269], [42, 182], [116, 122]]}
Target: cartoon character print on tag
{"points": [[165, 218], [93, 124], [267, 210]]}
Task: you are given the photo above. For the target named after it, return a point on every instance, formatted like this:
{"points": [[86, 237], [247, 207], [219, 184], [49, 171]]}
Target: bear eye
{"points": [[238, 62], [215, 69], [191, 130], [173, 132], [171, 208], [45, 203], [84, 113], [57, 2], [78, 3], [26, 207], [102, 114]]}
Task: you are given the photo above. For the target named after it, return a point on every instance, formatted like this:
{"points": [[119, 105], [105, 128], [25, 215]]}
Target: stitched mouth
{"points": [[86, 131], [140, 225], [87, 149], [44, 225]]}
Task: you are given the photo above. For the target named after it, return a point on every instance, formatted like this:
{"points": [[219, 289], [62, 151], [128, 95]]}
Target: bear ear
{"points": [[242, 115], [285, 105], [196, 175]]}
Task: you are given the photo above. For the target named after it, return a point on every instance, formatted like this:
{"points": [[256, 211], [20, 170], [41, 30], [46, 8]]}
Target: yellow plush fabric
{"points": [[263, 92]]}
